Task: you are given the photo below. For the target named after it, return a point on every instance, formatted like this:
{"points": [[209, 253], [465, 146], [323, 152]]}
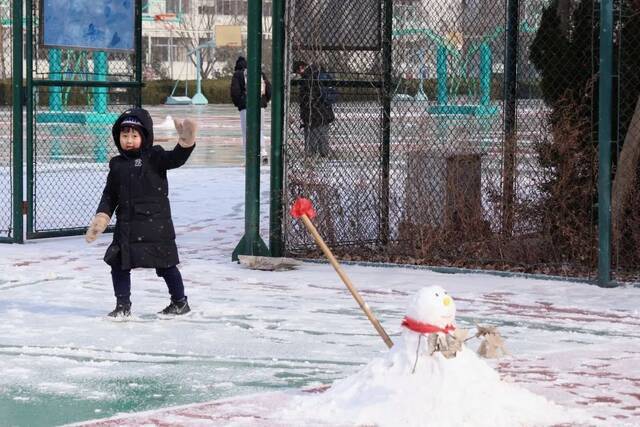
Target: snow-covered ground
{"points": [[250, 332]]}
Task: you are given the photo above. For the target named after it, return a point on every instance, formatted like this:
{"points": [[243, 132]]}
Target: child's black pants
{"points": [[122, 283]]}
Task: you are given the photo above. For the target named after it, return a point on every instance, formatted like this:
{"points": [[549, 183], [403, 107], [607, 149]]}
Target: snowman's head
{"points": [[433, 306]]}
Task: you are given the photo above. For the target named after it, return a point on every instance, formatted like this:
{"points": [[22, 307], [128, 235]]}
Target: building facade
{"points": [[172, 29]]}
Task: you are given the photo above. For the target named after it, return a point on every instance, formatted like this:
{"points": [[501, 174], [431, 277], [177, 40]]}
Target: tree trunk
{"points": [[625, 179]]}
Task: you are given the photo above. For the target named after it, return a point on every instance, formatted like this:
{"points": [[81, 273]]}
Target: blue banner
{"points": [[88, 24]]}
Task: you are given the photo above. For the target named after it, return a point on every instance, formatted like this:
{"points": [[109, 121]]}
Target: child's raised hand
{"points": [[187, 129], [98, 224]]}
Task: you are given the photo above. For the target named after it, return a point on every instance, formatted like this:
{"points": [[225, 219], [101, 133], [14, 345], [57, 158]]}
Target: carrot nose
{"points": [[447, 300]]}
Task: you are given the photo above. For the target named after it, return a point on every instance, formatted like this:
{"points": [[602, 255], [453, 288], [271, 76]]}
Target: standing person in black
{"points": [[316, 113], [137, 192], [238, 93]]}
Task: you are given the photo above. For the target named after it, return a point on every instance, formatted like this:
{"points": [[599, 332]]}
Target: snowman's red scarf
{"points": [[425, 328]]}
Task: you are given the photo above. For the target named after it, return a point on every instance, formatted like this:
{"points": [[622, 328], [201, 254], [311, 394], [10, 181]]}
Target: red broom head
{"points": [[301, 207]]}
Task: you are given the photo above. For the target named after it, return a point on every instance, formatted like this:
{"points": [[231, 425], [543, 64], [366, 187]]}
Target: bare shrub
{"points": [[568, 157]]}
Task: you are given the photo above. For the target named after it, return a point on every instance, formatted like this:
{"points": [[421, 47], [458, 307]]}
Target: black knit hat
{"points": [[132, 122]]}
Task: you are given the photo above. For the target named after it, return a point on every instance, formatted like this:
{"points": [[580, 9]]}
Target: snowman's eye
{"points": [[437, 294]]}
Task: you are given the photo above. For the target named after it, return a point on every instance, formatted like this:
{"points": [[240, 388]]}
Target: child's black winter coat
{"points": [[137, 191]]}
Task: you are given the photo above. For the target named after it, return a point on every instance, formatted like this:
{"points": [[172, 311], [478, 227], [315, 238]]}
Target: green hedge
{"points": [[153, 93], [75, 97]]}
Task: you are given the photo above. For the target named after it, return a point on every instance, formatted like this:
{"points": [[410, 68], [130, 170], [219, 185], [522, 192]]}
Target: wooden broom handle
{"points": [[363, 305]]}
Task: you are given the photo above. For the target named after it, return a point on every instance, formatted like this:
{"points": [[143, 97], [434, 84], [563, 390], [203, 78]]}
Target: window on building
{"points": [[231, 7], [160, 49], [177, 6], [266, 8], [206, 10], [227, 7], [242, 7]]}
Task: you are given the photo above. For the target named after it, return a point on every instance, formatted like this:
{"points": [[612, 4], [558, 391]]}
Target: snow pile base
{"points": [[462, 391], [414, 384]]}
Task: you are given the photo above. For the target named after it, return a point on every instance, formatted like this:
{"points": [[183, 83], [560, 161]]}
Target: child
{"points": [[137, 191]]}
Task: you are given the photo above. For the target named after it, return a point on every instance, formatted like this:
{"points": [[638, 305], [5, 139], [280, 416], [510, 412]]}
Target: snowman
{"points": [[431, 317], [429, 378]]}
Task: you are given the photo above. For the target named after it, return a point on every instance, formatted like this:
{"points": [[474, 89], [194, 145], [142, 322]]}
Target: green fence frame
{"points": [[251, 242], [17, 220], [604, 143], [15, 234], [277, 125]]}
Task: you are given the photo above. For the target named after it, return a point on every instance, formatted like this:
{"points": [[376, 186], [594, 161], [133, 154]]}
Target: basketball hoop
{"points": [[164, 16]]}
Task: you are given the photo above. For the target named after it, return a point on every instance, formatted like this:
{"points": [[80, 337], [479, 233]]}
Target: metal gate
{"points": [[10, 183], [73, 98]]}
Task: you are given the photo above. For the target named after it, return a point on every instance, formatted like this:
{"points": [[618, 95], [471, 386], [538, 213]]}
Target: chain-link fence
{"points": [[463, 135], [71, 149], [6, 120], [69, 141], [336, 162]]}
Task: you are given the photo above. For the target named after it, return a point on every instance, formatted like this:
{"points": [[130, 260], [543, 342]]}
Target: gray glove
{"points": [[187, 129], [98, 224]]}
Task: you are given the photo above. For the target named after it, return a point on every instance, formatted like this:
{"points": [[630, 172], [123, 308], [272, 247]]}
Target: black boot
{"points": [[122, 309], [177, 307]]}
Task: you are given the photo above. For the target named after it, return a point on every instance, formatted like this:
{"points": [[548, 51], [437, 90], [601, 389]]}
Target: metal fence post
{"points": [[138, 50], [17, 74], [277, 120], [251, 243], [510, 99], [604, 143], [386, 119], [28, 54]]}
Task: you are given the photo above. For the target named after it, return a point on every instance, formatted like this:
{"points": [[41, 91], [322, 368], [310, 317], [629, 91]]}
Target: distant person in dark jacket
{"points": [[239, 97], [137, 192], [316, 113]]}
